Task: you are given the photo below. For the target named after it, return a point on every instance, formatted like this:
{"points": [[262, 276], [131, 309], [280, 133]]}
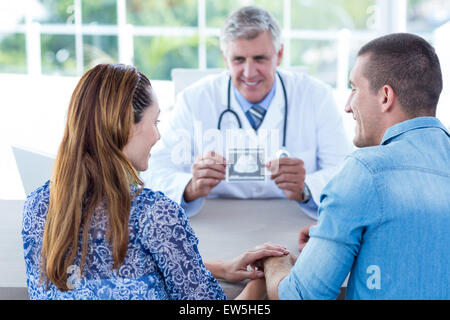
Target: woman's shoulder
{"points": [[147, 195], [38, 199], [152, 211], [35, 211], [155, 203]]}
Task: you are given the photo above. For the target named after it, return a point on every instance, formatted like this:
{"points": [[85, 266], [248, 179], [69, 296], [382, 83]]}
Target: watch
{"points": [[306, 194]]}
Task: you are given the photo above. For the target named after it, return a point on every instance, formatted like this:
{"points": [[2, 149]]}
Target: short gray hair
{"points": [[248, 23]]}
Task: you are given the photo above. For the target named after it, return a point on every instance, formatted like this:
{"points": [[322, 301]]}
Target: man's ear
{"points": [[387, 98], [225, 59], [280, 55]]}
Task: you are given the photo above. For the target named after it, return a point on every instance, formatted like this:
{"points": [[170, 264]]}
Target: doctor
{"points": [[251, 105]]}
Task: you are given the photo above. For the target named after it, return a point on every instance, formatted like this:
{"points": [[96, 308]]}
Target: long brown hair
{"points": [[90, 167]]}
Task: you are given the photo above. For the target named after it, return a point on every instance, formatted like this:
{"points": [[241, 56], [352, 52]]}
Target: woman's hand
{"points": [[236, 270]]}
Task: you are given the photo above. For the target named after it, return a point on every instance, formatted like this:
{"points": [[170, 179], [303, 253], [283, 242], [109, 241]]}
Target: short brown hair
{"points": [[408, 64]]}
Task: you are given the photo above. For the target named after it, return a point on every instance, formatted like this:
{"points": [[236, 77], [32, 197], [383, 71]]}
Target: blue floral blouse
{"points": [[162, 261]]}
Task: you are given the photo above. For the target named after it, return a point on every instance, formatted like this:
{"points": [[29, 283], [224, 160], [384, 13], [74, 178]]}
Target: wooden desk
{"points": [[228, 227], [225, 227]]}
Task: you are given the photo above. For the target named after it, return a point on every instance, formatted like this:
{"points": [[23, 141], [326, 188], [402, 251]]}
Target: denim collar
{"points": [[408, 125]]}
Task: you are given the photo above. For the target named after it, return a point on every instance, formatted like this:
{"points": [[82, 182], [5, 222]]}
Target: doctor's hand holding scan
{"points": [[274, 112], [207, 172], [289, 175]]}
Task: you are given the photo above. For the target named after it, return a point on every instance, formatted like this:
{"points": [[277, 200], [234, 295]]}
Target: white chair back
{"points": [[183, 78], [34, 167]]}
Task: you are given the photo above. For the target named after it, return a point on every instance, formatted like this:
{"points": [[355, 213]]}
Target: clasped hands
{"points": [[209, 169], [267, 260], [249, 265]]}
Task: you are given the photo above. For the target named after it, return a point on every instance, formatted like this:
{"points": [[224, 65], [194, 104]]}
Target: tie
{"points": [[257, 114]]}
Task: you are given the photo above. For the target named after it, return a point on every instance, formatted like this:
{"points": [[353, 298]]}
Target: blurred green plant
{"points": [[57, 11], [99, 49], [331, 15], [217, 11], [58, 55], [171, 13], [12, 53], [319, 56], [157, 56], [99, 11], [214, 57]]}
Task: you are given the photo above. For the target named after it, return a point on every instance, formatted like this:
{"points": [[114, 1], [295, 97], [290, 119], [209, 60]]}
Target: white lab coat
{"points": [[315, 134]]}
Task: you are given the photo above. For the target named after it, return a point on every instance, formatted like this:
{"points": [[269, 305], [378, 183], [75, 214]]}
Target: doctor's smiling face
{"points": [[253, 64]]}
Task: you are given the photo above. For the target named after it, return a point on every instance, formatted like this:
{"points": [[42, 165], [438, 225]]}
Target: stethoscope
{"points": [[282, 152]]}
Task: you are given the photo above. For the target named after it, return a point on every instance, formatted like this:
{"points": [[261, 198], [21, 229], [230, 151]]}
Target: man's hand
{"points": [[207, 171], [303, 237], [254, 290], [275, 270], [289, 175]]}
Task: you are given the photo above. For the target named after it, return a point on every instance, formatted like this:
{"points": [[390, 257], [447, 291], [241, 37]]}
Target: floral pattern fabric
{"points": [[162, 261]]}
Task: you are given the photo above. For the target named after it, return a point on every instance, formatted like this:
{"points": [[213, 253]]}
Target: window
{"points": [[156, 56], [177, 13], [58, 54], [425, 16], [217, 11], [332, 15], [12, 53], [74, 35], [67, 37], [431, 20]]}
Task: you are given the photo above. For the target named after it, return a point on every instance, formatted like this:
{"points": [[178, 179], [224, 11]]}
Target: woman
{"points": [[94, 231]]}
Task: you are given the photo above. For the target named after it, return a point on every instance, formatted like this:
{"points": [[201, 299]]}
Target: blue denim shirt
{"points": [[385, 218]]}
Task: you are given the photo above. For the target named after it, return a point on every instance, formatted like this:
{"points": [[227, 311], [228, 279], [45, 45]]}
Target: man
{"points": [[385, 217], [267, 111]]}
